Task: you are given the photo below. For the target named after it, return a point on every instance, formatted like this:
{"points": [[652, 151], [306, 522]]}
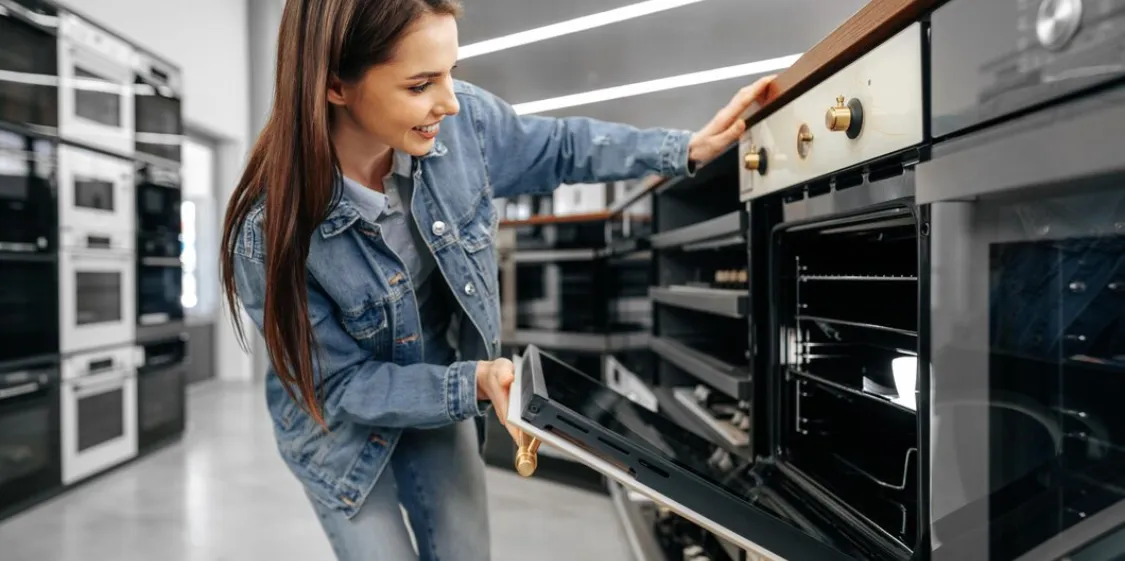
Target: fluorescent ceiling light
{"points": [[570, 26], [662, 84]]}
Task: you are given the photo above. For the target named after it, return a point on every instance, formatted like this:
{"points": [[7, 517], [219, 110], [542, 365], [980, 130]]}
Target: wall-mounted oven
{"points": [[29, 65], [97, 287], [95, 86], [1026, 191], [159, 125], [159, 270], [29, 324], [161, 381], [28, 211], [30, 458], [99, 411], [95, 191]]}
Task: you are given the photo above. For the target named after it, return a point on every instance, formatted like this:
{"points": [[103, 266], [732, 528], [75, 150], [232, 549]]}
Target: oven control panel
{"points": [[90, 38], [871, 108]]}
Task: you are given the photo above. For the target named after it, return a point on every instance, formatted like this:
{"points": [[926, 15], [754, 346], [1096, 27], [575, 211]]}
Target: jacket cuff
{"points": [[674, 155], [461, 391]]}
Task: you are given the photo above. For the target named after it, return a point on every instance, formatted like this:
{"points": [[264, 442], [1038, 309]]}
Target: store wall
{"points": [[208, 39]]}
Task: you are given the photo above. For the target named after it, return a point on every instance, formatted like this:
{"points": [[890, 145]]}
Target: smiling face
{"points": [[400, 103]]}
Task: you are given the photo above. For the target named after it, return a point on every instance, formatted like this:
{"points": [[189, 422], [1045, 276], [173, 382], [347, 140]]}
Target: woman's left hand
{"points": [[727, 125]]}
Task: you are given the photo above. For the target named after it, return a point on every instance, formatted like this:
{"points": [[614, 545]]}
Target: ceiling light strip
{"points": [[570, 26], [659, 85]]}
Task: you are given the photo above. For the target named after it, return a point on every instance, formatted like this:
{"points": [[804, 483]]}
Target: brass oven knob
{"points": [[845, 117], [755, 160], [804, 141]]}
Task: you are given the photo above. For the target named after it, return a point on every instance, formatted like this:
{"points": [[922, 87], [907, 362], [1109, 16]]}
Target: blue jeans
{"points": [[437, 475]]}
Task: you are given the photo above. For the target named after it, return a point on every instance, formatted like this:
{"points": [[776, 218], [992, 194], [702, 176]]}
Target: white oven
{"points": [[97, 288], [96, 191], [99, 411], [95, 86]]}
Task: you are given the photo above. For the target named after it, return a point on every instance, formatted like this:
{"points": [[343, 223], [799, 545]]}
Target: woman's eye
{"points": [[420, 88]]}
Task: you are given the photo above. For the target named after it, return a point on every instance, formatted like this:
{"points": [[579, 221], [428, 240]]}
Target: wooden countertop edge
{"points": [[874, 23]]}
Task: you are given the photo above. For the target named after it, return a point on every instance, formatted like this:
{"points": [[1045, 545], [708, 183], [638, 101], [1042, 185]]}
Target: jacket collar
{"points": [[344, 213]]}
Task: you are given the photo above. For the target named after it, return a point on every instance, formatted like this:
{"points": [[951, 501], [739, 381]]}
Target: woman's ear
{"points": [[337, 92]]}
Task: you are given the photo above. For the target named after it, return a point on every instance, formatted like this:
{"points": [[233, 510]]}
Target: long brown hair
{"points": [[293, 163]]}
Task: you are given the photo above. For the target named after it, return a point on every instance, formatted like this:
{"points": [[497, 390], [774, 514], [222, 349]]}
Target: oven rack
{"points": [[716, 233], [798, 373], [858, 277], [719, 301]]}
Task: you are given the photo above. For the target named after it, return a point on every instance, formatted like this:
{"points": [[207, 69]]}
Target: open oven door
{"points": [[646, 452]]}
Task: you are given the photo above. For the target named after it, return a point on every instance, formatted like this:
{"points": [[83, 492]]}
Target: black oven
{"points": [[28, 208], [1027, 286], [159, 280], [159, 119], [30, 453], [158, 200], [29, 65], [29, 324], [161, 382]]}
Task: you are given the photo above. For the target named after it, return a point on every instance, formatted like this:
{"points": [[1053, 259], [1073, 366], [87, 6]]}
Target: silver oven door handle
{"points": [[99, 384], [16, 391]]}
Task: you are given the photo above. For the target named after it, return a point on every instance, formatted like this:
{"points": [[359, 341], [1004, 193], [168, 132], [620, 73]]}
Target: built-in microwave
{"points": [[29, 65], [159, 125], [99, 411], [95, 86], [95, 191], [28, 212]]}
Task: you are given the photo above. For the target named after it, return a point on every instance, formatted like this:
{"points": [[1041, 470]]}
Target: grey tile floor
{"points": [[222, 494]]}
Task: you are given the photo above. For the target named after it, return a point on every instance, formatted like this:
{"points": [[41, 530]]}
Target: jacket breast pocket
{"points": [[367, 324], [477, 240]]}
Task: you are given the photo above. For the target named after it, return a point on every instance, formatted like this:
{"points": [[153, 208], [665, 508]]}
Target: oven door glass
{"points": [[29, 323], [160, 288], [160, 391], [28, 69], [96, 103], [96, 299], [159, 123], [27, 194], [1028, 358], [651, 453], [158, 208], [29, 433]]}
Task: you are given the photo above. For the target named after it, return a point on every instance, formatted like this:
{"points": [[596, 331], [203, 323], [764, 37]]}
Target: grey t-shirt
{"points": [[390, 210]]}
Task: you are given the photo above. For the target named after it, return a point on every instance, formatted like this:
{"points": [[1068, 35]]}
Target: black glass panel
{"points": [[160, 292], [159, 125], [94, 98], [29, 323], [27, 199], [98, 297], [25, 442], [161, 398], [101, 418], [1029, 364], [92, 193], [28, 94]]}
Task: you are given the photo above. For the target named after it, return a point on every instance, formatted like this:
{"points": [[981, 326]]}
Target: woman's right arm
{"points": [[357, 387]]}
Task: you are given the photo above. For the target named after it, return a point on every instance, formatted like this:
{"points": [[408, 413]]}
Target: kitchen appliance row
{"points": [[91, 371]]}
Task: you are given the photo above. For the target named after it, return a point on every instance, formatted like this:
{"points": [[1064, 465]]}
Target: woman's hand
{"points": [[727, 126], [494, 382]]}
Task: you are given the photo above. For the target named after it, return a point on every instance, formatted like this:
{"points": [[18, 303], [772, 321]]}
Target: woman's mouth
{"points": [[427, 131]]}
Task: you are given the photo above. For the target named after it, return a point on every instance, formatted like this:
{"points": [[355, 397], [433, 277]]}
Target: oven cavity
{"points": [[846, 306]]}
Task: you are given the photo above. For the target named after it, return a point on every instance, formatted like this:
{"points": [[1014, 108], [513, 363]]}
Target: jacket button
{"points": [[470, 289], [438, 228]]}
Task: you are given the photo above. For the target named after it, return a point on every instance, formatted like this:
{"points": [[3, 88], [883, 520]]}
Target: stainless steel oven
{"points": [[1027, 280], [28, 212], [30, 459], [95, 191], [29, 65], [29, 324], [97, 284], [99, 411], [161, 381], [159, 125], [95, 86]]}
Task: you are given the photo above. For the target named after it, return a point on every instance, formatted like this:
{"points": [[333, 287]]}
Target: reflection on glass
{"points": [[96, 98], [190, 291]]}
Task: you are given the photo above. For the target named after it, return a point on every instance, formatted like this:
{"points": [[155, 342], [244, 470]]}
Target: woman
{"points": [[359, 241]]}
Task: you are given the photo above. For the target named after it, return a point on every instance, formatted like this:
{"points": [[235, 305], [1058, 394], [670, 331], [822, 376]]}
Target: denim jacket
{"points": [[364, 313]]}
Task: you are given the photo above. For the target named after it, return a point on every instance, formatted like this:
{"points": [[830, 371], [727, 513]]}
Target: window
{"points": [[200, 255]]}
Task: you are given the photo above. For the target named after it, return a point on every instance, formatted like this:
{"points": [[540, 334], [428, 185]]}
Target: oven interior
{"points": [[846, 307]]}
